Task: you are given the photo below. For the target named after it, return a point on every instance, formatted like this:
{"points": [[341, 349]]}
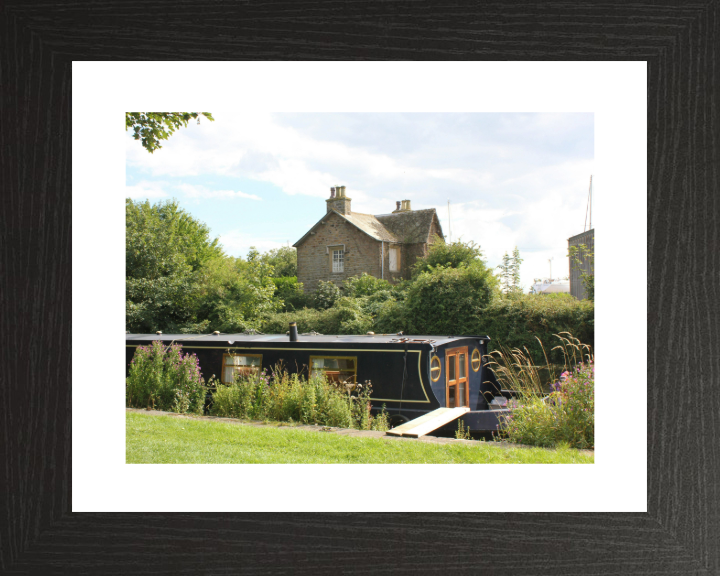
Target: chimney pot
{"points": [[332, 192], [398, 205]]}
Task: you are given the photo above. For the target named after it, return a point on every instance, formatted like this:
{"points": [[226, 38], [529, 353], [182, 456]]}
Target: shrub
{"points": [[162, 378], [364, 285], [449, 300], [527, 321], [448, 255], [346, 317], [325, 295], [564, 416], [290, 291]]}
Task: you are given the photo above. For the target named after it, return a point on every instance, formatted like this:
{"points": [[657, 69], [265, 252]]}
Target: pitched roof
{"points": [[409, 227], [371, 226]]}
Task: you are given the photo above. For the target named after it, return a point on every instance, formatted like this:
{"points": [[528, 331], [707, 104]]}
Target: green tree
{"points": [[151, 127], [165, 252], [448, 254], [515, 287], [505, 273], [237, 294], [283, 260], [179, 280]]}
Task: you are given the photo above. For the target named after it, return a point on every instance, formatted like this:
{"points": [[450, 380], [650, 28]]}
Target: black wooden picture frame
{"points": [[680, 533]]}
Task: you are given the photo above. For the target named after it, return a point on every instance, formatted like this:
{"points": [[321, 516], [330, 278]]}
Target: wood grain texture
{"points": [[680, 534]]}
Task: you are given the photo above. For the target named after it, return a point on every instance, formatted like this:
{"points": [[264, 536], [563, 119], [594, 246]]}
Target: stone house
{"points": [[344, 243]]}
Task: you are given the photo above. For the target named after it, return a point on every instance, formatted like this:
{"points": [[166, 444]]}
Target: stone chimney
{"points": [[338, 201], [402, 206]]}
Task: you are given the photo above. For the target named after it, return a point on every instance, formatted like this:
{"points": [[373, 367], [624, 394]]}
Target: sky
{"points": [[261, 179]]}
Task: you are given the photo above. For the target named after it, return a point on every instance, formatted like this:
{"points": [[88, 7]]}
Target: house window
{"points": [[335, 368], [394, 259], [239, 365], [338, 261]]}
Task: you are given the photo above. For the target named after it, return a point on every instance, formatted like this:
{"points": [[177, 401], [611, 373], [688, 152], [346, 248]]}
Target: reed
{"points": [[284, 397], [543, 415]]}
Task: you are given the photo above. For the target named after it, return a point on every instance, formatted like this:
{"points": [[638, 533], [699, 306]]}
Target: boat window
{"points": [[435, 369], [476, 360], [335, 368], [239, 365], [456, 367]]}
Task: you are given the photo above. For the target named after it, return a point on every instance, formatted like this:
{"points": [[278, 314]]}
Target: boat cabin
{"points": [[410, 375]]}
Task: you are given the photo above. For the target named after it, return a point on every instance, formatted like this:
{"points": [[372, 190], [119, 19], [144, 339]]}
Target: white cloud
{"points": [[193, 191], [146, 189], [237, 243]]}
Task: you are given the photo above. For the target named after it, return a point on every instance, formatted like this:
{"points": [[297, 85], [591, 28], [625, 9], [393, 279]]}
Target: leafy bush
{"points": [[346, 317], [290, 291], [162, 378], [365, 285], [448, 255], [449, 300], [285, 397], [521, 322], [564, 416], [325, 295]]}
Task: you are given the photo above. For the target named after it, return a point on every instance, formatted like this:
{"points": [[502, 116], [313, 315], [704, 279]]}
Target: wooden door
{"points": [[456, 376]]}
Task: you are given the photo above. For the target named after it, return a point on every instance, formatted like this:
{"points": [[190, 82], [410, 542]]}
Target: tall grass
{"points": [[284, 397], [564, 411]]}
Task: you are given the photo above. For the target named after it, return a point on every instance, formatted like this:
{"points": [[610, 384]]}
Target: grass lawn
{"points": [[171, 440]]}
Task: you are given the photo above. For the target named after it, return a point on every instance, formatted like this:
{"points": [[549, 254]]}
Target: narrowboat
{"points": [[410, 375]]}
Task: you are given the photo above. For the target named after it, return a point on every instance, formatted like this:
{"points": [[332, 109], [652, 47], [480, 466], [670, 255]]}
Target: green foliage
{"points": [[365, 285], [326, 295], [449, 300], [162, 378], [520, 322], [449, 255], [567, 414], [285, 397], [166, 251], [346, 317], [579, 255], [178, 280], [283, 260], [290, 292], [151, 127]]}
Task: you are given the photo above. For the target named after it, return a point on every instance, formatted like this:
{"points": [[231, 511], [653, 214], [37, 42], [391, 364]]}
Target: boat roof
{"points": [[239, 339]]}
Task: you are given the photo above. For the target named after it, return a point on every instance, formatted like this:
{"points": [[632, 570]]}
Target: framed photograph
{"points": [[71, 503]]}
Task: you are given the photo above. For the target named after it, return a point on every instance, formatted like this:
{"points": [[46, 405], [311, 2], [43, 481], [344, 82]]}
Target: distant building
{"points": [[344, 243], [577, 288], [551, 287]]}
